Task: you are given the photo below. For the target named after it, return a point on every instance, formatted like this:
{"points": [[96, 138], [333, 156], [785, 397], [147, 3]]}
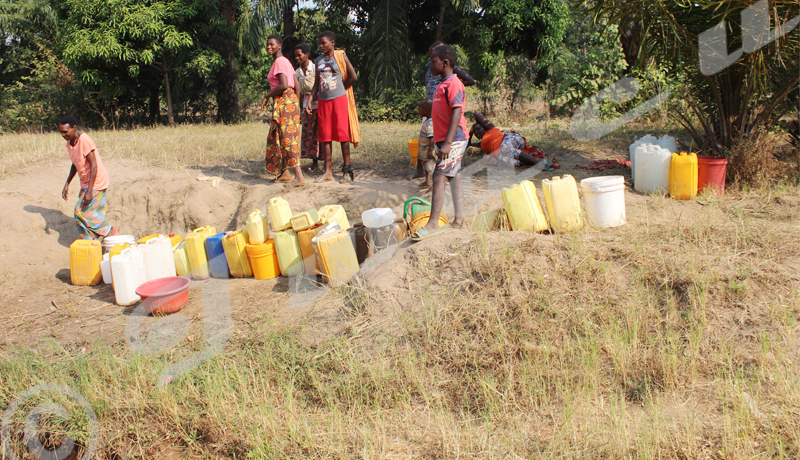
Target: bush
{"points": [[393, 105]]}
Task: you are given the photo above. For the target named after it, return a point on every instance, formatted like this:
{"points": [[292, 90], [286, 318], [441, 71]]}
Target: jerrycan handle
{"points": [[412, 200]]}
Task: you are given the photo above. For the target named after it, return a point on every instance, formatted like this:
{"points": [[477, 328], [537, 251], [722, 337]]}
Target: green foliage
{"points": [[725, 108], [392, 105], [589, 60], [36, 100], [123, 32], [533, 28], [386, 47]]}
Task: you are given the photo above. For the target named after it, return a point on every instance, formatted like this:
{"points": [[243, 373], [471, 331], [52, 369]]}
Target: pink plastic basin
{"points": [[163, 296]]}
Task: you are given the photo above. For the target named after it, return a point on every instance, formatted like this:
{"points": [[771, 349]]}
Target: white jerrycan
{"points": [[129, 273], [158, 259]]}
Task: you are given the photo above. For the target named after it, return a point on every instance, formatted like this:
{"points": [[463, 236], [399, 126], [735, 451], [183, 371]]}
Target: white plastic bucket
{"points": [[604, 200], [111, 241]]}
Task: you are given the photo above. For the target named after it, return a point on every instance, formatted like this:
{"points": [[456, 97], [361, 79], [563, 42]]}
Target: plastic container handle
{"points": [[411, 200]]}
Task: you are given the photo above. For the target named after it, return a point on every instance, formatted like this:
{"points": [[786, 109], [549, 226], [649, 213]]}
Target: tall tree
{"points": [[386, 42], [127, 33]]}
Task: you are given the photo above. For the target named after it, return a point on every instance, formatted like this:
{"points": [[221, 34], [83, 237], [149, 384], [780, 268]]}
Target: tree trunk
{"points": [[288, 22], [440, 24], [227, 101], [168, 94], [630, 38], [155, 106]]}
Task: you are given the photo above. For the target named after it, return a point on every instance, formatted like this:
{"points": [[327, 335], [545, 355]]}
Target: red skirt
{"points": [[333, 124]]}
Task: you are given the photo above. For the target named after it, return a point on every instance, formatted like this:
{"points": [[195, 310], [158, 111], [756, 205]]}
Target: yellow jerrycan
{"points": [[290, 258], [84, 262], [181, 261], [683, 176], [563, 203], [337, 257], [196, 251], [280, 213], [331, 213], [234, 244], [523, 208], [310, 260], [257, 229], [304, 220]]}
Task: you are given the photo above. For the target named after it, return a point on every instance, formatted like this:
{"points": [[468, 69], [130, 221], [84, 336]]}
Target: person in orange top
{"points": [[90, 210], [505, 148]]}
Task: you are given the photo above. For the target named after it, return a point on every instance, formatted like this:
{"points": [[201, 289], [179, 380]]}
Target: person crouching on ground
{"points": [[507, 149], [425, 156], [336, 117], [90, 210], [450, 136], [283, 140]]}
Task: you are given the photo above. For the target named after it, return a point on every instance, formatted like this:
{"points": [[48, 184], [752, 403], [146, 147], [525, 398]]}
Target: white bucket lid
{"points": [[603, 183], [111, 241]]}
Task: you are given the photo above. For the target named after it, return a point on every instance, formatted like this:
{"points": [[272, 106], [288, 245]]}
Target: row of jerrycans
{"points": [[251, 252], [525, 212], [126, 266], [656, 167]]}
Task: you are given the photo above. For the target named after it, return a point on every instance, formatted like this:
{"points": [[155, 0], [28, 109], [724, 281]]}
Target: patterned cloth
{"points": [[512, 145], [283, 140], [425, 136], [452, 165], [309, 147], [91, 219]]}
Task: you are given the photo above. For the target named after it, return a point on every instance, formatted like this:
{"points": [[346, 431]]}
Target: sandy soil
{"points": [[41, 305]]}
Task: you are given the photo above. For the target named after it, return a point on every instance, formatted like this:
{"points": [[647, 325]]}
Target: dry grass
{"points": [[240, 146], [666, 338]]}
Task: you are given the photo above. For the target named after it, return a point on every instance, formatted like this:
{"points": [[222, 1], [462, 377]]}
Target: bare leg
{"points": [[437, 202], [418, 173], [325, 148], [457, 190], [346, 160], [525, 159], [298, 176], [427, 182]]}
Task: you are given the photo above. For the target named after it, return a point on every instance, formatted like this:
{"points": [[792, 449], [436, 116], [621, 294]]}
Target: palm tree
{"points": [[739, 99]]}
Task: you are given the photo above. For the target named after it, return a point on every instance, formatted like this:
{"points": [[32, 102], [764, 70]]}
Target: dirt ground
{"points": [[41, 305]]}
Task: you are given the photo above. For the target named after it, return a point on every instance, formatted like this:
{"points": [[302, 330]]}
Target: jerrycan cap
{"points": [[229, 235], [95, 243]]}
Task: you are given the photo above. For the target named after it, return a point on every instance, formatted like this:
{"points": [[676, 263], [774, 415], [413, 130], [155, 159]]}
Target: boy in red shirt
{"points": [[450, 138], [90, 210]]}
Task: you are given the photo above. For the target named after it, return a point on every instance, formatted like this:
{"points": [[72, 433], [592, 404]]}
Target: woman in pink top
{"points": [[90, 210], [283, 141]]}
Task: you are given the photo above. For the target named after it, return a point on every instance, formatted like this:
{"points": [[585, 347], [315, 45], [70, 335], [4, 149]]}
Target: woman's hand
{"points": [[87, 198]]}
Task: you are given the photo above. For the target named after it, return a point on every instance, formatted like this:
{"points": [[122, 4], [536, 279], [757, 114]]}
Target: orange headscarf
{"points": [[492, 140]]}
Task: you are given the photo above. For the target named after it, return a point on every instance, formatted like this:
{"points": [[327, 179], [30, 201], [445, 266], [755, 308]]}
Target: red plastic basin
{"points": [[163, 296]]}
